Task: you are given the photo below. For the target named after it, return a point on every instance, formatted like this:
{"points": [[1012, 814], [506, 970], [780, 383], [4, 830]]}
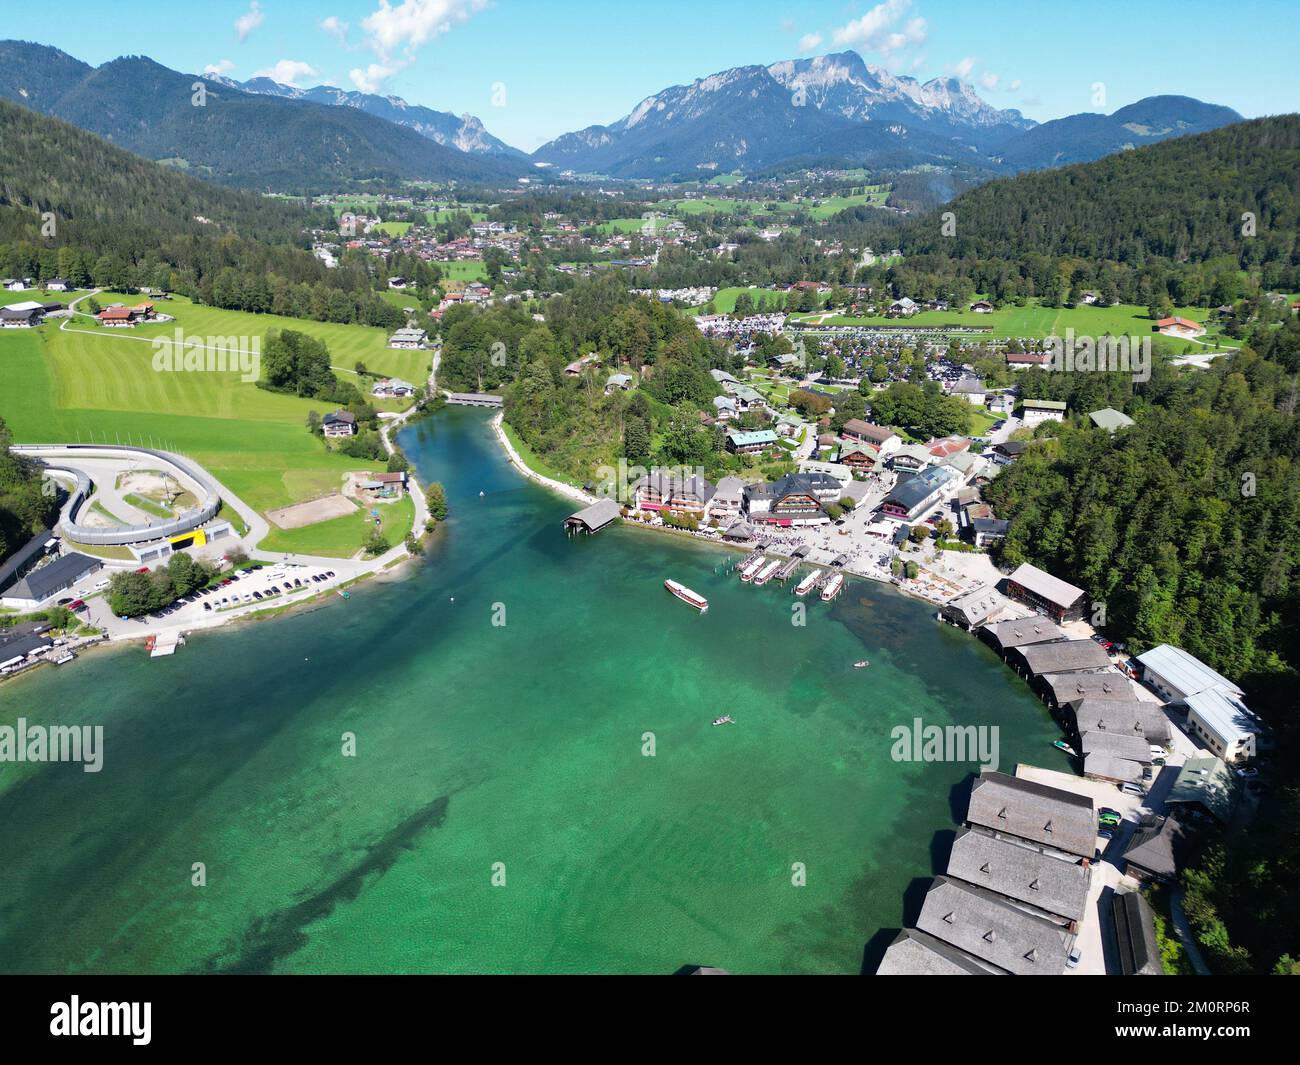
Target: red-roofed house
{"points": [[118, 316], [1179, 327]]}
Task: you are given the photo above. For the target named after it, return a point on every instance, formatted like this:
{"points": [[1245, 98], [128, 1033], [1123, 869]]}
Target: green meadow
{"points": [[465, 270], [393, 229], [101, 385], [725, 299], [340, 537], [1032, 320]]}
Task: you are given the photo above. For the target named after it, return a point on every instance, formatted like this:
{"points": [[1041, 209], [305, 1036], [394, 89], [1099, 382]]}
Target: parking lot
{"points": [[252, 589]]}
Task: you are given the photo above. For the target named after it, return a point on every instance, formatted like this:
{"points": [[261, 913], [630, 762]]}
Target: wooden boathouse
{"points": [[594, 518]]}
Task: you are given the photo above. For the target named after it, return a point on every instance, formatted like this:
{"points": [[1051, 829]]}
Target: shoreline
{"points": [[570, 492]]}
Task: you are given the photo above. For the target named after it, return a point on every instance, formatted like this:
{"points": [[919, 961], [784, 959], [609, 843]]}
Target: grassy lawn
{"points": [[465, 270], [982, 420], [724, 301], [342, 537], [148, 506], [60, 386], [393, 229], [476, 214], [1033, 320], [631, 225]]}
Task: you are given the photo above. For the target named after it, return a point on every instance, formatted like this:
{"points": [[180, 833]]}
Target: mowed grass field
{"points": [[724, 301], [465, 270], [1035, 321], [58, 386]]}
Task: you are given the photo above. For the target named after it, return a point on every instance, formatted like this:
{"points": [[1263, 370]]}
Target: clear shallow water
{"points": [[518, 744]]}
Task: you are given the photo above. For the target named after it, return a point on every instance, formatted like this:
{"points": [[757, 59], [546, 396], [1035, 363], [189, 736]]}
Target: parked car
{"points": [[1107, 833], [1076, 956], [1131, 789]]}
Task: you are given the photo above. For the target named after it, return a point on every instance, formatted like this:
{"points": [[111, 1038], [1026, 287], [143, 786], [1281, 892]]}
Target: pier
{"points": [[787, 571]]}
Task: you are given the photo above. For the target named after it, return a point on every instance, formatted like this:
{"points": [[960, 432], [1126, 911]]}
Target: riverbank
{"points": [[567, 490]]}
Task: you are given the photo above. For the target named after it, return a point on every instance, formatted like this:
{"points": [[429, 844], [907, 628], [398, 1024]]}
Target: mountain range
{"points": [[832, 110], [837, 109], [229, 135], [464, 132]]}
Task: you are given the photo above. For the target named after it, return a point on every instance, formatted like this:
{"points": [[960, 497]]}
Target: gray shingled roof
{"points": [[976, 607], [1106, 683], [1102, 766], [917, 953], [1022, 631], [1130, 745], [1020, 872], [1160, 850], [1067, 656], [1121, 716], [982, 923], [1049, 816]]}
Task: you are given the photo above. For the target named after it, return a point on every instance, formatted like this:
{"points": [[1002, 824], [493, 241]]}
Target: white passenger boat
{"points": [[808, 583], [833, 587], [687, 596], [765, 574]]}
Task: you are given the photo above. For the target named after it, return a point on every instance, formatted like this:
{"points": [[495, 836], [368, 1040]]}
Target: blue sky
{"points": [[532, 69]]}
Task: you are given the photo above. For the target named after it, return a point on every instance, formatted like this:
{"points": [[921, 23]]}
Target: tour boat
{"points": [[725, 719], [861, 665], [808, 583], [833, 587], [765, 574], [65, 658], [687, 596], [751, 566]]}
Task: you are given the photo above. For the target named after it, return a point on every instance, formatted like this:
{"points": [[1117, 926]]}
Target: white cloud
{"points": [[1013, 85], [809, 41], [963, 68], [406, 28], [288, 72], [248, 22], [414, 23], [221, 66], [989, 81], [336, 28], [879, 30], [372, 77]]}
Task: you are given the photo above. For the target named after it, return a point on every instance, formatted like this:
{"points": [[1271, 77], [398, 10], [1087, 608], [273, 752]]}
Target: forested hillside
{"points": [[24, 508], [234, 137], [1161, 223], [121, 222]]}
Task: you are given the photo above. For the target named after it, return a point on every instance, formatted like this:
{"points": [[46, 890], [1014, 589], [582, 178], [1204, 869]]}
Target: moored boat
{"points": [[765, 574], [687, 596], [808, 583], [751, 566], [833, 587]]}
